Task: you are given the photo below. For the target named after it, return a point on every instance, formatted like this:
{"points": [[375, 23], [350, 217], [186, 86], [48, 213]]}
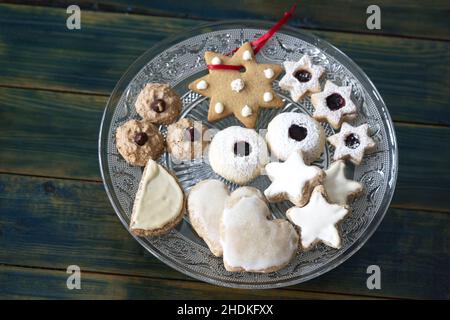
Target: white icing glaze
{"points": [[281, 145], [289, 179], [247, 55], [337, 186], [317, 220], [237, 85], [250, 241], [218, 107], [202, 85], [216, 60], [268, 96], [206, 201], [246, 111], [159, 199], [268, 73]]}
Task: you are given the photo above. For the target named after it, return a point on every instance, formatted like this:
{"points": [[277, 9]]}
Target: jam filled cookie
{"points": [[238, 154], [292, 180], [351, 143], [159, 203], [236, 92], [301, 77], [292, 131], [158, 103], [339, 189], [185, 139], [138, 141], [317, 220], [333, 104], [251, 240]]}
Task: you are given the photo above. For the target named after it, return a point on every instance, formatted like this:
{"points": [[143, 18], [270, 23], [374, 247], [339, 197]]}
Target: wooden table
{"points": [[54, 84]]}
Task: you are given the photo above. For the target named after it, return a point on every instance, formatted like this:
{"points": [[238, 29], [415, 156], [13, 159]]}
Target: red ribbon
{"points": [[258, 43]]}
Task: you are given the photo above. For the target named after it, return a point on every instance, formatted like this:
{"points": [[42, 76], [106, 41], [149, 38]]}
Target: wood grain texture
{"points": [[405, 18], [52, 223], [37, 51], [55, 134]]}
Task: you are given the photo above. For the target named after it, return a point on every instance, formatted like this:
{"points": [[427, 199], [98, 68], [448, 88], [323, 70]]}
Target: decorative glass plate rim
{"points": [[323, 45]]}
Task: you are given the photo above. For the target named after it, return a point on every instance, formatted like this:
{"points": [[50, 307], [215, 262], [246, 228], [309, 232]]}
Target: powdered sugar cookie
{"points": [[301, 77], [333, 104], [235, 92], [351, 143], [292, 131], [250, 240], [158, 103], [317, 220], [185, 139], [339, 189], [205, 203], [238, 154], [292, 180]]}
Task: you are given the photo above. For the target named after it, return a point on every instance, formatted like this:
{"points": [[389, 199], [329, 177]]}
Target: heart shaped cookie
{"points": [[250, 240]]}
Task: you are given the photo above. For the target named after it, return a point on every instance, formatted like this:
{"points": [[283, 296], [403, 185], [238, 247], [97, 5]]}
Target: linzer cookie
{"points": [[239, 92]]}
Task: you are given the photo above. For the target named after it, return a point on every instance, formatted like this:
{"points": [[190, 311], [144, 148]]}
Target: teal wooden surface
{"points": [[55, 83]]}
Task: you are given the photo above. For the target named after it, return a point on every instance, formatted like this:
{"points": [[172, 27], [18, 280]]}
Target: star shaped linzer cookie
{"points": [[241, 93]]}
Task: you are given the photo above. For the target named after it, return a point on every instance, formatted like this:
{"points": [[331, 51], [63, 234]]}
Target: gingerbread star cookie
{"points": [[333, 104], [292, 180], [340, 189], [301, 77], [317, 220], [241, 93], [351, 143]]}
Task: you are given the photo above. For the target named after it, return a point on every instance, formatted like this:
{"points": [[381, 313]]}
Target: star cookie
{"points": [[339, 189], [236, 92], [351, 143], [301, 77], [317, 220], [292, 180], [333, 104]]}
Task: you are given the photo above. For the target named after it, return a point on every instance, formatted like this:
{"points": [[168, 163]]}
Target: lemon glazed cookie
{"points": [[159, 203], [351, 143], [235, 92], [186, 139], [339, 189], [251, 241], [292, 131], [301, 77], [158, 103], [333, 104], [138, 141], [238, 154]]}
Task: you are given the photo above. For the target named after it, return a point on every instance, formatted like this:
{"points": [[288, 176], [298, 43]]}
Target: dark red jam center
{"points": [[191, 134], [242, 149], [335, 101], [159, 105], [352, 141], [140, 138], [302, 75], [297, 133]]}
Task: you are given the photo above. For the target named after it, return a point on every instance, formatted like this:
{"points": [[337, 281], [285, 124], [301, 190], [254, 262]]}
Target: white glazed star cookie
{"points": [[292, 180], [333, 104], [301, 77], [339, 189], [351, 143], [317, 220]]}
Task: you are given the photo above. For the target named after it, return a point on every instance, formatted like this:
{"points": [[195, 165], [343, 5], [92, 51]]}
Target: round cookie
{"points": [[138, 141], [186, 139], [158, 103], [238, 154], [292, 131]]}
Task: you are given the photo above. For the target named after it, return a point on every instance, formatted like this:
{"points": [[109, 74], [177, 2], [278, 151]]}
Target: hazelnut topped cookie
{"points": [[158, 103], [185, 139]]}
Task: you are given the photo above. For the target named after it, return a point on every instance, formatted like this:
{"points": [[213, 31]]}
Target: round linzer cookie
{"points": [[158, 103], [138, 141], [292, 131], [238, 154], [186, 139], [251, 241], [159, 203]]}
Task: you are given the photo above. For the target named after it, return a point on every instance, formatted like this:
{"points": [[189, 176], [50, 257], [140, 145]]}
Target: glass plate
{"points": [[178, 61]]}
